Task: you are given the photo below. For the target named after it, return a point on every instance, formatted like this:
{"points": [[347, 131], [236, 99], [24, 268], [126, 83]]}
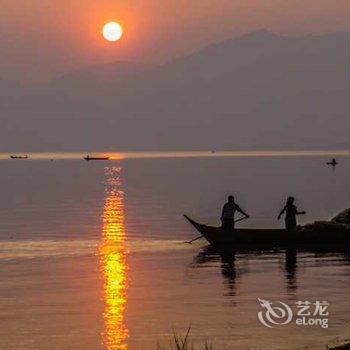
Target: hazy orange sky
{"points": [[41, 39]]}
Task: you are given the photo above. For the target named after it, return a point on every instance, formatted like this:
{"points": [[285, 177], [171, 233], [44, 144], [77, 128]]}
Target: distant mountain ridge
{"points": [[259, 91], [100, 74]]}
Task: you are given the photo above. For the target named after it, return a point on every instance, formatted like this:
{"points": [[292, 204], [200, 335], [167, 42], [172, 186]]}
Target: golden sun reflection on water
{"points": [[113, 253]]}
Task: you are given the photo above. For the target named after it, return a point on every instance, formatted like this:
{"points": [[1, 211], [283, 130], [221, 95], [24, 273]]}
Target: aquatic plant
{"points": [[183, 343]]}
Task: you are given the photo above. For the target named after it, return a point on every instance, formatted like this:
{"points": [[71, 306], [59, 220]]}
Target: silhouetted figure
{"points": [[333, 163], [291, 212], [228, 213]]}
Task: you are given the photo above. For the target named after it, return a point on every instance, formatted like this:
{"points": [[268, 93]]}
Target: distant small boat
{"points": [[88, 158], [19, 157], [333, 162]]}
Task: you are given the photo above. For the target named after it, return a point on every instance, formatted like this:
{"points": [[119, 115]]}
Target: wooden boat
{"points": [[88, 158], [19, 157], [314, 236]]}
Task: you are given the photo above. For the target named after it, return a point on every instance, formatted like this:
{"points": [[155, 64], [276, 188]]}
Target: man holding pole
{"points": [[228, 213]]}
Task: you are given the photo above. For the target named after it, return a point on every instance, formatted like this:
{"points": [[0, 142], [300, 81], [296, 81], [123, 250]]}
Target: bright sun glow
{"points": [[112, 31]]}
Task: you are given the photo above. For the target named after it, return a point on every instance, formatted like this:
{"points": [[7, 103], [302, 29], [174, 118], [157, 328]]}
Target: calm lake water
{"points": [[92, 253]]}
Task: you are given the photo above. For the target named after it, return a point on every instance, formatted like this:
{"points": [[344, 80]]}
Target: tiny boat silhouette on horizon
{"points": [[19, 157], [333, 162], [88, 158]]}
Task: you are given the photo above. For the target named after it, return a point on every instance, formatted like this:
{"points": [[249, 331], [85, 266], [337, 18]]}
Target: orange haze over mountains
{"points": [[41, 40]]}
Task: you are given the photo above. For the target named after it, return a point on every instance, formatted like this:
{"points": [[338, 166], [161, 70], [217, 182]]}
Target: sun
{"points": [[112, 31]]}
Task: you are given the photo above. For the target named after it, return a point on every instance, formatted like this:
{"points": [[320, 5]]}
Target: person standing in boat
{"points": [[228, 213], [291, 213]]}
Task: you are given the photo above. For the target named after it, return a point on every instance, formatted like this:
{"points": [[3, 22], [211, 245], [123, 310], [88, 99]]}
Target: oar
{"points": [[193, 240], [201, 236]]}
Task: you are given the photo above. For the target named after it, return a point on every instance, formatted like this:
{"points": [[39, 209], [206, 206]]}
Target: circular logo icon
{"points": [[271, 315]]}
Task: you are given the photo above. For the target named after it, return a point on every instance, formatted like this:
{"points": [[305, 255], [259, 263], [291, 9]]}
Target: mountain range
{"points": [[258, 91]]}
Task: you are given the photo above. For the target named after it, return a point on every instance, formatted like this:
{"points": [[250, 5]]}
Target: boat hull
{"points": [[272, 238], [90, 158], [19, 157]]}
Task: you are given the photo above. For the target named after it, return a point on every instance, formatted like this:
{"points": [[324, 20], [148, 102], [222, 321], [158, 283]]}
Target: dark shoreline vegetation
{"points": [[179, 344], [184, 343], [345, 346]]}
